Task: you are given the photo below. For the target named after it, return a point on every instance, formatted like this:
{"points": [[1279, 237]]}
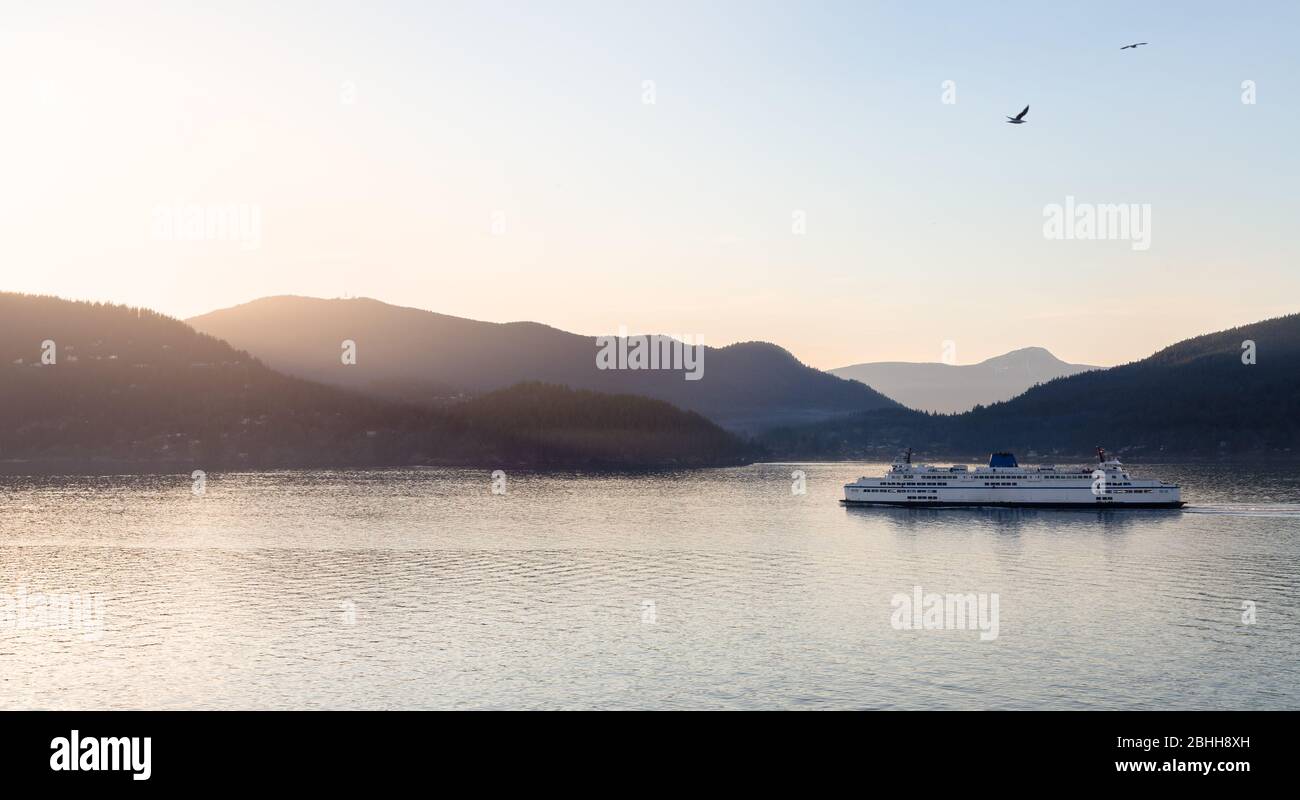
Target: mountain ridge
{"points": [[99, 387], [427, 356]]}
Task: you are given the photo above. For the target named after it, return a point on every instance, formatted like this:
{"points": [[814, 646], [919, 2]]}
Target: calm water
{"points": [[422, 589]]}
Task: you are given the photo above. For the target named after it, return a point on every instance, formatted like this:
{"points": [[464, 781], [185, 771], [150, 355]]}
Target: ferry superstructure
{"points": [[1004, 482]]}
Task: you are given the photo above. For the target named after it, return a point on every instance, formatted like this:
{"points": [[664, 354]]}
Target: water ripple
{"points": [[713, 589]]}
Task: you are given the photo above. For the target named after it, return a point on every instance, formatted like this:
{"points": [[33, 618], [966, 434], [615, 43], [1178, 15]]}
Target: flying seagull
{"points": [[1018, 119], [1131, 46]]}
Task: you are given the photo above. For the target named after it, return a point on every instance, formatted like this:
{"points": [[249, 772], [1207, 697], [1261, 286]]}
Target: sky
{"points": [[837, 178]]}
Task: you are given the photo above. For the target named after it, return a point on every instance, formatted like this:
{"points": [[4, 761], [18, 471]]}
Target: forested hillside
{"points": [[98, 387], [1195, 399]]}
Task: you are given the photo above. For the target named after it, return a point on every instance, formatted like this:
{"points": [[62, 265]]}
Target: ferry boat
{"points": [[1005, 483]]}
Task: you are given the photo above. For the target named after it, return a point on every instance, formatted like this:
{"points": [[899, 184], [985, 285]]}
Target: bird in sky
{"points": [[1018, 119], [1131, 46]]}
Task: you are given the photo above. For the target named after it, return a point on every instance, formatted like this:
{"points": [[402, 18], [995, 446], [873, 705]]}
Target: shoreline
{"points": [[19, 468]]}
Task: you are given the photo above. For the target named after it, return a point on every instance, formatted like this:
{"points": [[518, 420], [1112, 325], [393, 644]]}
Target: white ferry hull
{"points": [[1011, 504]]}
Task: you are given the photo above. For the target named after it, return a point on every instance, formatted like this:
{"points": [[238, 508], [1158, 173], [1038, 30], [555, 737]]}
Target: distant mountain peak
{"points": [[1033, 352], [953, 388], [1032, 358]]}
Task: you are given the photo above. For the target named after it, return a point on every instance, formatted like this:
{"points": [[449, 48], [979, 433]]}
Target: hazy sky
{"points": [[501, 162]]}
